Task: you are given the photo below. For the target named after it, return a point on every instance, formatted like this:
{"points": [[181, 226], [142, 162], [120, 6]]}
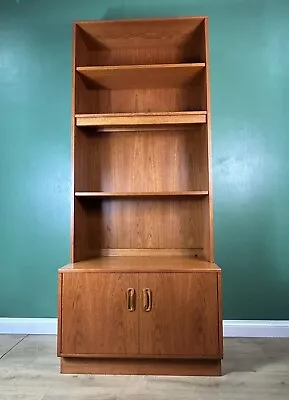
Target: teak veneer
{"points": [[142, 294]]}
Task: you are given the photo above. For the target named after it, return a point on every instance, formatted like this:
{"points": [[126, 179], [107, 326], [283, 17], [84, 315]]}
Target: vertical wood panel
{"points": [[103, 101], [184, 316], [81, 232], [144, 223], [209, 250], [96, 319], [138, 161], [73, 108], [220, 310], [59, 312]]}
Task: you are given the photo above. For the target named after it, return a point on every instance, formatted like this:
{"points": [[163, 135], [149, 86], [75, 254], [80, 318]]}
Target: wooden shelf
{"points": [[142, 194], [142, 263], [140, 76], [131, 119], [141, 33]]}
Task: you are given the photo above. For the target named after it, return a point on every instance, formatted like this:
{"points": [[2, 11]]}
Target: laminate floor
{"points": [[252, 369]]}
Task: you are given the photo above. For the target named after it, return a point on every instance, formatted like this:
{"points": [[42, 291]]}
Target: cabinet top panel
{"points": [[142, 264], [124, 33]]}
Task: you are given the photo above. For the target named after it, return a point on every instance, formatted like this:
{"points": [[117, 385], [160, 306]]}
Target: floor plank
{"points": [[7, 342], [255, 369]]}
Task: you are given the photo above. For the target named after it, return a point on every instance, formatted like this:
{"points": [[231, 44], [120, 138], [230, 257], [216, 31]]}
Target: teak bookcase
{"points": [[142, 294]]}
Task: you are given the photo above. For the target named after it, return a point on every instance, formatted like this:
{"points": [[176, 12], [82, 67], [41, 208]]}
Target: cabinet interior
{"points": [[139, 223], [93, 98], [167, 159], [133, 43]]}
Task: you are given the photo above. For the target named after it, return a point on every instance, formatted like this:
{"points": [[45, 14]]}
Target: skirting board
{"points": [[232, 328]]}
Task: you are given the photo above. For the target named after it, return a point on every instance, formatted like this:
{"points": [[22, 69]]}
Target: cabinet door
{"points": [[183, 319], [96, 319]]}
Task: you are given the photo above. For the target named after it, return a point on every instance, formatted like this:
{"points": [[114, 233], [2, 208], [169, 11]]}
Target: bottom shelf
{"points": [[123, 224], [142, 263]]}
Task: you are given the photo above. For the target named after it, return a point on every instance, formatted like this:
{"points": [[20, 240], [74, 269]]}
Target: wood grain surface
{"points": [[138, 223], [151, 161], [184, 315], [141, 100], [142, 194], [140, 76], [141, 367], [142, 214], [154, 31], [143, 41], [95, 315], [143, 263], [209, 246], [143, 119]]}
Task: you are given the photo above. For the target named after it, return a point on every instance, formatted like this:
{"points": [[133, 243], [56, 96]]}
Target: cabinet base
{"points": [[140, 367]]}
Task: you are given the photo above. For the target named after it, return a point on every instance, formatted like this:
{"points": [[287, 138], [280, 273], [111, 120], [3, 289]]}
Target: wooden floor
{"points": [[252, 369]]}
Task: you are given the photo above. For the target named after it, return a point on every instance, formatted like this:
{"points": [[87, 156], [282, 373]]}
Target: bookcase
{"points": [[142, 294]]}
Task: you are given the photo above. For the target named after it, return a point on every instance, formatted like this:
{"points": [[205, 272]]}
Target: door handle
{"points": [[147, 300], [131, 299]]}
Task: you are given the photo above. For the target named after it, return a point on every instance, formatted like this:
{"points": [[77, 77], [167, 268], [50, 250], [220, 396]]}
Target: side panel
{"points": [[59, 321], [209, 228]]}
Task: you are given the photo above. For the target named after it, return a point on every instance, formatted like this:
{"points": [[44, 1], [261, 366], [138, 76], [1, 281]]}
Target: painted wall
{"points": [[250, 102]]}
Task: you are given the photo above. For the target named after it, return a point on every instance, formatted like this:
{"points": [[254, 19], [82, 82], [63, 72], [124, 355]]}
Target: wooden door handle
{"points": [[147, 300], [131, 299]]}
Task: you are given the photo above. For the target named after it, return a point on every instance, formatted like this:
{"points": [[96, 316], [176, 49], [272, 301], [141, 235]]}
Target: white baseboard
{"points": [[243, 328], [31, 326], [232, 328]]}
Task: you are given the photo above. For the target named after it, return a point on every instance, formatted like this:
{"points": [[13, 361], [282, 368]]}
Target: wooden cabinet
{"points": [[129, 314], [142, 294]]}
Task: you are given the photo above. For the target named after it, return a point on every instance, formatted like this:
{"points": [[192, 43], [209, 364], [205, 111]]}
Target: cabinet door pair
{"points": [[107, 314]]}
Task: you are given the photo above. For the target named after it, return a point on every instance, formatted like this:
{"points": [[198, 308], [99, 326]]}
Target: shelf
{"points": [[142, 194], [142, 264], [121, 119], [140, 76], [141, 33]]}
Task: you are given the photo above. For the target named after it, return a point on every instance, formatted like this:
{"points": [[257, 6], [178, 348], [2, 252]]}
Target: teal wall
{"points": [[250, 105]]}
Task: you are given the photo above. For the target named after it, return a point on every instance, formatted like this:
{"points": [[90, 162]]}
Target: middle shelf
{"points": [[138, 119], [140, 76], [145, 94], [142, 194], [147, 163]]}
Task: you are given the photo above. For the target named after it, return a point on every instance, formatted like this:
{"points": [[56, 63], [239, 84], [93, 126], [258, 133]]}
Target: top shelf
{"points": [[136, 32], [141, 41], [140, 76]]}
